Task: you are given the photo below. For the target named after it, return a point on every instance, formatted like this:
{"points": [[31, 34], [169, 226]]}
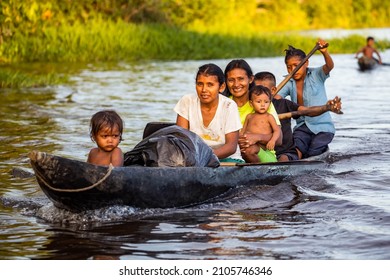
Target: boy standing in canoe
{"points": [[307, 88]]}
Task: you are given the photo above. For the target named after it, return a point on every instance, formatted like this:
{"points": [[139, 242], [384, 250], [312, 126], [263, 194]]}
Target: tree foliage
{"points": [[53, 29], [30, 17]]}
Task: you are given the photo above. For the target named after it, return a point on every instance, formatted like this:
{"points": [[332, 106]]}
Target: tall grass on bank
{"points": [[120, 41], [10, 78], [108, 41]]}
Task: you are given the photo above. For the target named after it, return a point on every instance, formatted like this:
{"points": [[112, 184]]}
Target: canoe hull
{"points": [[77, 186], [366, 63]]}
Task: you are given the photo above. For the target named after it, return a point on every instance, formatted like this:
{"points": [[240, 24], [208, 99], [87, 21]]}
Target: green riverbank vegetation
{"points": [[12, 76], [133, 30]]}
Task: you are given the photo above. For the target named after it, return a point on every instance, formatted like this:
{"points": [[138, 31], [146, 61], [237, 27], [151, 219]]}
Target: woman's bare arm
{"points": [[184, 123], [230, 146]]}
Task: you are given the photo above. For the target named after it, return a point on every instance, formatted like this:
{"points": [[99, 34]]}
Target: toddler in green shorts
{"points": [[267, 155], [260, 122]]}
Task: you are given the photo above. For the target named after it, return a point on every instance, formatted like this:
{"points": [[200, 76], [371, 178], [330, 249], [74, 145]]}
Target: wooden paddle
{"points": [[289, 76], [383, 63]]}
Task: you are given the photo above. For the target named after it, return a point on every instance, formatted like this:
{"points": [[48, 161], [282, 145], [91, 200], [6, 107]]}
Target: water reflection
{"points": [[165, 237]]}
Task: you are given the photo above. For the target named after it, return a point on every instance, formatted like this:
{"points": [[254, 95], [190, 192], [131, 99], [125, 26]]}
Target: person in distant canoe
{"points": [[262, 122], [307, 88], [369, 50], [287, 150], [106, 128], [211, 115]]}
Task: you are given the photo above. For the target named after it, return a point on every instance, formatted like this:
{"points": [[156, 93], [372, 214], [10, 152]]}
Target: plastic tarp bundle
{"points": [[172, 146]]}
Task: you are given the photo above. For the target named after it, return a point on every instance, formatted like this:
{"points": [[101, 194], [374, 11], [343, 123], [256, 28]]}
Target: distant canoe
{"points": [[366, 63], [77, 185]]}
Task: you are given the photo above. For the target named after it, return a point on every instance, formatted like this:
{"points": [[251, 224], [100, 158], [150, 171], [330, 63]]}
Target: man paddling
{"points": [[369, 50]]}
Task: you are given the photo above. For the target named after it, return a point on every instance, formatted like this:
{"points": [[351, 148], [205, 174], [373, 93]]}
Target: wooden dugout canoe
{"points": [[366, 63], [77, 185]]}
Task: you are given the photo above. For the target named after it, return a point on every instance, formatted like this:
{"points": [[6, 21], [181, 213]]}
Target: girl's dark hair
{"points": [[238, 64], [258, 90], [211, 69], [105, 118], [293, 52]]}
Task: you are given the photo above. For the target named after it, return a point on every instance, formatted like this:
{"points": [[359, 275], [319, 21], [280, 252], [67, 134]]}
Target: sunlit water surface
{"points": [[341, 212]]}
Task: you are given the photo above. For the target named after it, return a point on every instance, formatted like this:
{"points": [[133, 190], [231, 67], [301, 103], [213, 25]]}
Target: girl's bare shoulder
{"points": [[117, 150], [93, 151]]}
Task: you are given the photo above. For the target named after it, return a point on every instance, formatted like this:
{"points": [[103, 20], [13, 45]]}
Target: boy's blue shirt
{"points": [[314, 95]]}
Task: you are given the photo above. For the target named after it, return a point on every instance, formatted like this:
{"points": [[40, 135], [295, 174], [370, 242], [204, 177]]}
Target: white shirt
{"points": [[226, 120]]}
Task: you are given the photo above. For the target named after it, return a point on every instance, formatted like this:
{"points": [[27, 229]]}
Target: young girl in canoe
{"points": [[211, 115], [307, 88], [260, 122], [106, 129]]}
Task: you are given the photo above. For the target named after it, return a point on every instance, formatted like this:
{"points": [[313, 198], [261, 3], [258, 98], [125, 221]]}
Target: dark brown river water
{"points": [[340, 212]]}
